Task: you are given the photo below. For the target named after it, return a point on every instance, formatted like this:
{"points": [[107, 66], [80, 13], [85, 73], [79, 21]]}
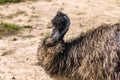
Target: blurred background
{"points": [[25, 23]]}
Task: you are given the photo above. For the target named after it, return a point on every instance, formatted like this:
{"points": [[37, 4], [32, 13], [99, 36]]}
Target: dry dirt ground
{"points": [[18, 59]]}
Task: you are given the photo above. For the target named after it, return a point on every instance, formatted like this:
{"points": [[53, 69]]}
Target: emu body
{"points": [[94, 55]]}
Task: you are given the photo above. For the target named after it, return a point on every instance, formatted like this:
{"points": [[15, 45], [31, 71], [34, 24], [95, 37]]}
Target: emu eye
{"points": [[64, 19]]}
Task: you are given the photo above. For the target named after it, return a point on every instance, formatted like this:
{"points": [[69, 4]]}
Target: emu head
{"points": [[61, 23]]}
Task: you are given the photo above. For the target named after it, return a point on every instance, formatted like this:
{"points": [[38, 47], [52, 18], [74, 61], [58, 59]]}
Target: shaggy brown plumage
{"points": [[94, 55]]}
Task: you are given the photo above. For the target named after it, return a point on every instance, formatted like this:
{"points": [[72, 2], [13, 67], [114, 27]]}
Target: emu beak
{"points": [[56, 35]]}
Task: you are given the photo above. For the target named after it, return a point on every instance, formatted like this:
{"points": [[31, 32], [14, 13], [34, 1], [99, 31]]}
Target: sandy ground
{"points": [[18, 59]]}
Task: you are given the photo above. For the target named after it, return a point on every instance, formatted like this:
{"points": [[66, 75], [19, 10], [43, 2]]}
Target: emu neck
{"points": [[65, 62]]}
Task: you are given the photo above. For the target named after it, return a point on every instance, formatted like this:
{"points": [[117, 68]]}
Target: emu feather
{"points": [[94, 55]]}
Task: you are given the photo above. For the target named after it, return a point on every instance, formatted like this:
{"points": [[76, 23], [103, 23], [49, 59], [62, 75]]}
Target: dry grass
{"points": [[27, 36]]}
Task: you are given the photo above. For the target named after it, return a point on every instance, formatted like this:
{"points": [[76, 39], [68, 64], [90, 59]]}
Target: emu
{"points": [[94, 55]]}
